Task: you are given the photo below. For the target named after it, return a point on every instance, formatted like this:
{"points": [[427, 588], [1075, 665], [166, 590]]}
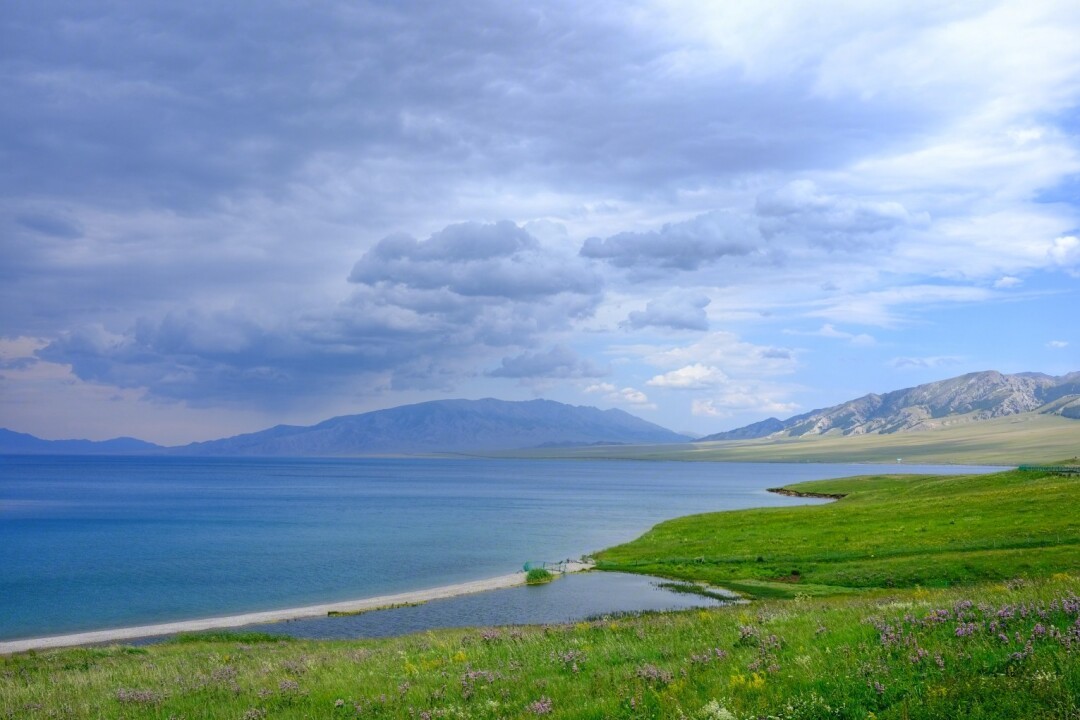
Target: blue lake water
{"points": [[92, 543]]}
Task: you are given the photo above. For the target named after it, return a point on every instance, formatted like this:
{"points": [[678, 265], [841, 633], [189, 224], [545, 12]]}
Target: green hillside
{"points": [[886, 531]]}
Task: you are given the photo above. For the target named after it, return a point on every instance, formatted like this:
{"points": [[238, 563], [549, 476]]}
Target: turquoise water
{"points": [[94, 543]]}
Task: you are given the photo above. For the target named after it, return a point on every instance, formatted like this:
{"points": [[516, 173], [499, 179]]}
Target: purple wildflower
{"points": [[543, 706]]}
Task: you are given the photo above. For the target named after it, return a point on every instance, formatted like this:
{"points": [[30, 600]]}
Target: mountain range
{"points": [[478, 426], [439, 426], [968, 398], [446, 426], [17, 443]]}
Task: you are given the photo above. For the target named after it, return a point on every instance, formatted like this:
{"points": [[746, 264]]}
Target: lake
{"points": [[90, 543]]}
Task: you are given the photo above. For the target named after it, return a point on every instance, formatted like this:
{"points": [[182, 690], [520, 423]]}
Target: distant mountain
{"points": [[968, 398], [445, 426], [16, 443]]}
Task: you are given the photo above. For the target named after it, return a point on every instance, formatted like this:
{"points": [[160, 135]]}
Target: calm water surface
{"points": [[92, 543]]}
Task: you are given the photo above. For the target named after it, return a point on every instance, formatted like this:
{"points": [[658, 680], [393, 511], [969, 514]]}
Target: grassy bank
{"points": [[1001, 641], [887, 531]]}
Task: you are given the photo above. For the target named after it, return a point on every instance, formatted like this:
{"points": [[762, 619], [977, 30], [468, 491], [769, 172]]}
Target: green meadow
{"points": [[911, 597], [887, 531]]}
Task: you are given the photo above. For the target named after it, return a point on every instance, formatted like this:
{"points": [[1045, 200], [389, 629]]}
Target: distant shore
{"points": [[308, 611]]}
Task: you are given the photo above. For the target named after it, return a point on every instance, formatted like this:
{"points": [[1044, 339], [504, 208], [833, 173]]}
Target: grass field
{"points": [[1001, 641], [998, 651], [1013, 440], [888, 531]]}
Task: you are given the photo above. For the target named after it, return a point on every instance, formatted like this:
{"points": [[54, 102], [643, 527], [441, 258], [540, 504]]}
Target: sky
{"points": [[218, 217]]}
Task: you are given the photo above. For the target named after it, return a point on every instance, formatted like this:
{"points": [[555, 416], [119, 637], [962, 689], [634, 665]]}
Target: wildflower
{"points": [[652, 673], [138, 697], [543, 706], [713, 710]]}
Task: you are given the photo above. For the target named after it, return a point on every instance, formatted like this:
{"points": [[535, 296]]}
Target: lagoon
{"points": [[92, 543]]}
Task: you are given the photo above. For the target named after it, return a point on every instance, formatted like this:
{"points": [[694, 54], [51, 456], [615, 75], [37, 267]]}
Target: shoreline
{"points": [[380, 602], [799, 494]]}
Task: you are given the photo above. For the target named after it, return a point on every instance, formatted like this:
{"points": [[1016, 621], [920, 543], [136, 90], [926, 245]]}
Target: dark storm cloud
{"points": [[162, 161], [424, 313], [680, 311], [795, 215], [684, 246], [475, 260], [558, 362], [176, 105]]}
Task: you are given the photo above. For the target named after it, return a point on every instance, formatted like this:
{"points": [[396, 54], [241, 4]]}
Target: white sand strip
{"points": [[347, 606]]}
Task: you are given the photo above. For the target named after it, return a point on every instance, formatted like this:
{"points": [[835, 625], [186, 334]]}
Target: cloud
{"points": [[691, 377], [622, 396], [935, 361], [52, 224], [679, 311], [498, 260], [748, 400], [1065, 250], [878, 307], [685, 245], [829, 331], [558, 362], [1057, 344], [178, 206], [801, 210], [1007, 281], [724, 351]]}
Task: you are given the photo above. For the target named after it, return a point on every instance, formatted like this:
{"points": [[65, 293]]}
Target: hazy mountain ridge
{"points": [[445, 426], [17, 443], [968, 398]]}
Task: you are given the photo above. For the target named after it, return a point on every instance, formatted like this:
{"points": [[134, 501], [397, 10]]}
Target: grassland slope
{"points": [[886, 531]]}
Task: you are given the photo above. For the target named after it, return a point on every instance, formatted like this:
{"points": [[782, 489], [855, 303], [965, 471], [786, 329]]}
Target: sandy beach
{"points": [[309, 611]]}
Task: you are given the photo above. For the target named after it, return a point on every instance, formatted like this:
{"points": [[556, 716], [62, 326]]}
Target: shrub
{"points": [[538, 576]]}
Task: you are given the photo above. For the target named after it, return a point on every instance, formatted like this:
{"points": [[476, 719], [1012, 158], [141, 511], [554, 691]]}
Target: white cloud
{"points": [[881, 307], [724, 351], [828, 330], [925, 362], [1007, 281], [1065, 250], [622, 396], [745, 400], [1057, 344], [691, 377]]}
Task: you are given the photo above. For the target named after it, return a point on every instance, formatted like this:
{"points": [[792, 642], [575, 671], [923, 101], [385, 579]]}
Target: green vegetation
{"points": [[896, 654], [391, 606], [888, 531], [538, 576], [1002, 640], [1012, 440]]}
